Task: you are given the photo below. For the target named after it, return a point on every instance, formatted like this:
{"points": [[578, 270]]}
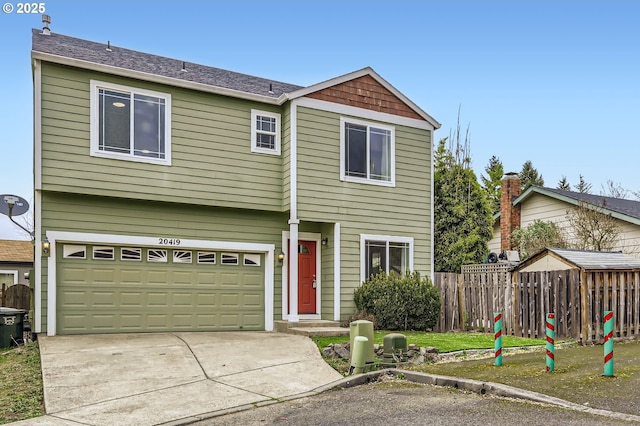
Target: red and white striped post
{"points": [[497, 328], [551, 336]]}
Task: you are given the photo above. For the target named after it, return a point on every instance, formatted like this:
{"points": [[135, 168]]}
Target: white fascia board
{"points": [[154, 78], [364, 113]]}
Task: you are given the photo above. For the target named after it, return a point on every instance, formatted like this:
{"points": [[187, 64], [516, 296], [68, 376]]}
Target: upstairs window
{"points": [[265, 132], [367, 152], [129, 123]]}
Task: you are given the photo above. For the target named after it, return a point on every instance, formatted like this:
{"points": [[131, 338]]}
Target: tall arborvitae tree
{"points": [[529, 176], [462, 213], [582, 186], [492, 184], [564, 184]]}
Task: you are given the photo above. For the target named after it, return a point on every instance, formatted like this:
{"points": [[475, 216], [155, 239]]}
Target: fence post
{"points": [[551, 335], [608, 343], [497, 328]]}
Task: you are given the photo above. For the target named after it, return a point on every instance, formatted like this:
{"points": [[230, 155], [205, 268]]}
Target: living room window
{"points": [[367, 152], [380, 253], [265, 132], [130, 124]]}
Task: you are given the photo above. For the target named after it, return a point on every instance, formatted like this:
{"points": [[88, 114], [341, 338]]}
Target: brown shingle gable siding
{"points": [[16, 251], [365, 92]]}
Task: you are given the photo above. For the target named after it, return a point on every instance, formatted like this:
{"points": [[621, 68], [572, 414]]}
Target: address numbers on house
{"points": [[169, 241]]}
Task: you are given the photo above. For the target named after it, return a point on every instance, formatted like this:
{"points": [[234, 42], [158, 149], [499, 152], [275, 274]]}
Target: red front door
{"points": [[306, 278]]}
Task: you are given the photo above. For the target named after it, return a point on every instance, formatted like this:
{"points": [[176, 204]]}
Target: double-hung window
{"points": [[381, 253], [265, 132], [367, 152], [129, 123]]}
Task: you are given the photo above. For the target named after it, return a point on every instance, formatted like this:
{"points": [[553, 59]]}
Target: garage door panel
{"points": [[110, 296], [103, 299]]}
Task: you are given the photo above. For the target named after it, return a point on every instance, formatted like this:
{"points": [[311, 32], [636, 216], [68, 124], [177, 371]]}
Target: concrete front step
{"points": [[312, 328], [318, 331]]}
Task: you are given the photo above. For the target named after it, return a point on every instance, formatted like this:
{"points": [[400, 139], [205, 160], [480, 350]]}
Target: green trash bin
{"points": [[11, 326]]}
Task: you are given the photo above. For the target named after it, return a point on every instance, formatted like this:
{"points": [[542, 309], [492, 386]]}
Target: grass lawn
{"points": [[445, 342], [21, 395]]}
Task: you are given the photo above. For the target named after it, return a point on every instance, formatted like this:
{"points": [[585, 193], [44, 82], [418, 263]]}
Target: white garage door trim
{"points": [[79, 237]]}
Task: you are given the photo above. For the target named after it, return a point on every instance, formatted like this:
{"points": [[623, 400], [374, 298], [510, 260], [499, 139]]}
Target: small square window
{"points": [[157, 256], [130, 254], [251, 259], [104, 253], [207, 257], [265, 132], [229, 259], [181, 256], [70, 251]]}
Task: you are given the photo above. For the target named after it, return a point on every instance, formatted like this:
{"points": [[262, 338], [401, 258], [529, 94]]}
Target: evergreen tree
{"points": [[564, 184], [462, 212], [492, 184], [583, 186], [529, 176]]}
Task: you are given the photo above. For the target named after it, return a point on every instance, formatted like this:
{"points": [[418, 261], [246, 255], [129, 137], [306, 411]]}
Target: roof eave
{"points": [[569, 200], [123, 72], [357, 74]]}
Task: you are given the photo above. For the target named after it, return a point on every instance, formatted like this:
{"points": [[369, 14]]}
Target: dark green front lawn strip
{"points": [[21, 394]]}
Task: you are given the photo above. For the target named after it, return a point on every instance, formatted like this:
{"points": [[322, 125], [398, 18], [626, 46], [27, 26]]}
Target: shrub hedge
{"points": [[405, 302]]}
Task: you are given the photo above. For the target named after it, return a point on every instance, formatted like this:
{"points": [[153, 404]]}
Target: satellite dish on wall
{"points": [[13, 205]]}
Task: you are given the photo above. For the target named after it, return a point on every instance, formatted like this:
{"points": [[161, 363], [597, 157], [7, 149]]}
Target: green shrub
{"points": [[399, 302]]}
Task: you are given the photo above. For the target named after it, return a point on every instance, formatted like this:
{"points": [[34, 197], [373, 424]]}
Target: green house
{"points": [[172, 196]]}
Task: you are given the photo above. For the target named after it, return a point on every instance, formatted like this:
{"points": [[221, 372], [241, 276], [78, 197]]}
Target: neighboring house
{"points": [[169, 192], [553, 205], [16, 260], [555, 259]]}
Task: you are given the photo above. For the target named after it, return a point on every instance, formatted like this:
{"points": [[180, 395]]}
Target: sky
{"points": [[553, 82]]}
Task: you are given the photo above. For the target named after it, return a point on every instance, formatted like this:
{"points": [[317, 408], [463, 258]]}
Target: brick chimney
{"points": [[509, 215]]}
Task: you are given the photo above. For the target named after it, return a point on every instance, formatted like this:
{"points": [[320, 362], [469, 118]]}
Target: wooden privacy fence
{"points": [[577, 297], [16, 296]]}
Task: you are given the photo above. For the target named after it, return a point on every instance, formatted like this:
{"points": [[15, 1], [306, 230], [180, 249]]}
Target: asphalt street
{"points": [[396, 403]]}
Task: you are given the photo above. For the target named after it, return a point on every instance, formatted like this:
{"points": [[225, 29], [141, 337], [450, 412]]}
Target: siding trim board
{"points": [[77, 237], [37, 208]]}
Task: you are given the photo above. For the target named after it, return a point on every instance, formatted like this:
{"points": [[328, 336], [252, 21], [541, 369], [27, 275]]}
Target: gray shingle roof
{"points": [[618, 205], [604, 260], [89, 51]]}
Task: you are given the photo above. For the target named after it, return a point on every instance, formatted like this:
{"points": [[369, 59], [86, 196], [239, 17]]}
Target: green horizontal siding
{"points": [[403, 210], [101, 215], [212, 162]]}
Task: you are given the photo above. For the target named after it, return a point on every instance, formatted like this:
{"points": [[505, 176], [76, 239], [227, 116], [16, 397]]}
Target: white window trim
{"points": [[343, 153], [387, 239], [95, 124], [254, 140], [11, 272]]}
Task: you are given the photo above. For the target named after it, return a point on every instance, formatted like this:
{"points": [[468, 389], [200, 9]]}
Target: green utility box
{"points": [[362, 328], [11, 326], [395, 350]]}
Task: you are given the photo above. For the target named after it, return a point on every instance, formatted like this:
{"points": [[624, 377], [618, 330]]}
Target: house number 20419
{"points": [[169, 241]]}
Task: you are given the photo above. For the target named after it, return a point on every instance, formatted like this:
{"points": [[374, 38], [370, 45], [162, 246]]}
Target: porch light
{"points": [[46, 247], [280, 256], [325, 241]]}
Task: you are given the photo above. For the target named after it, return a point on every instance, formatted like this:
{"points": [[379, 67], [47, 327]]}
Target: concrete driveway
{"points": [[152, 379]]}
